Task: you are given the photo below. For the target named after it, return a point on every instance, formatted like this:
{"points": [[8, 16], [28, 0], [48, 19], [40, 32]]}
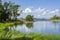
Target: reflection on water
{"points": [[38, 27], [29, 25], [22, 28]]}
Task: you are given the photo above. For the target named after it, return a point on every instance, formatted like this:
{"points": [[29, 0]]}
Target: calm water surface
{"points": [[45, 27]]}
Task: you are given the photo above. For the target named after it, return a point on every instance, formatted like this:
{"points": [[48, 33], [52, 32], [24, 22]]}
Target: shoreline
{"points": [[54, 20]]}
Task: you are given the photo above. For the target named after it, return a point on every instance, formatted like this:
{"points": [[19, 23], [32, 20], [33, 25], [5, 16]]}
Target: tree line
{"points": [[55, 17]]}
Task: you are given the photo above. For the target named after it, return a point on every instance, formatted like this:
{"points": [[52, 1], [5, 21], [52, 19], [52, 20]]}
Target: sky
{"points": [[39, 8]]}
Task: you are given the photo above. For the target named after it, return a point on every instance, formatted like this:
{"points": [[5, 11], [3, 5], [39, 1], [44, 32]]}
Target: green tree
{"points": [[8, 9], [29, 18], [15, 11]]}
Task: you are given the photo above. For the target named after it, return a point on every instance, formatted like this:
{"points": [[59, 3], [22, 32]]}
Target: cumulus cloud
{"points": [[54, 11], [27, 10], [40, 12], [44, 11]]}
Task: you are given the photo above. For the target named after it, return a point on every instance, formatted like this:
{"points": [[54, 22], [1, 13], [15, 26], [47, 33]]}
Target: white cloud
{"points": [[52, 11], [39, 10], [42, 12], [56, 10], [27, 10]]}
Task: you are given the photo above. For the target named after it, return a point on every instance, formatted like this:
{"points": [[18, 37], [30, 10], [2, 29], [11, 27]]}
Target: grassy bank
{"points": [[10, 24], [10, 35], [7, 24], [54, 20], [4, 25]]}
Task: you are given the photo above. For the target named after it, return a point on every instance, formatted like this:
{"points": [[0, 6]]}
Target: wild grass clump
{"points": [[13, 35]]}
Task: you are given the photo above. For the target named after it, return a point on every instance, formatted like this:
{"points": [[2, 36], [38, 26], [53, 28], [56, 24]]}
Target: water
{"points": [[45, 27]]}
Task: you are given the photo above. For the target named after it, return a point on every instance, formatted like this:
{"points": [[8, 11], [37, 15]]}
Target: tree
{"points": [[29, 18], [8, 9], [1, 9], [15, 11], [5, 13], [0, 2]]}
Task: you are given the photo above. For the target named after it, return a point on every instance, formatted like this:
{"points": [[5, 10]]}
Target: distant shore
{"points": [[55, 20]]}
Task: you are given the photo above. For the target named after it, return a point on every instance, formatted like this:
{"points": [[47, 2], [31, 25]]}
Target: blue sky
{"points": [[48, 7], [48, 4]]}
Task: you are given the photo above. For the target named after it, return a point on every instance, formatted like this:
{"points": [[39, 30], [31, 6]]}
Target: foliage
{"points": [[29, 18], [55, 17], [7, 10]]}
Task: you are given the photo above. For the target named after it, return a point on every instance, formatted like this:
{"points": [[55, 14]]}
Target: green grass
{"points": [[7, 24], [13, 35], [4, 25], [31, 36]]}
